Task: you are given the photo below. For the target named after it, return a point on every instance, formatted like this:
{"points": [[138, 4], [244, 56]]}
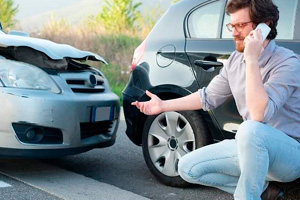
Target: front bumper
{"points": [[49, 153], [68, 113]]}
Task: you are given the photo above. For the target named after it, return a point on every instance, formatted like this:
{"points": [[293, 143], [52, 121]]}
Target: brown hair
{"points": [[259, 11]]}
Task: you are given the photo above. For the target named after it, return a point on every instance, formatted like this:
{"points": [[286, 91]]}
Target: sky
{"points": [[28, 8], [32, 14]]}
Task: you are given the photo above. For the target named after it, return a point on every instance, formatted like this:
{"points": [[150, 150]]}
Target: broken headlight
{"points": [[22, 75]]}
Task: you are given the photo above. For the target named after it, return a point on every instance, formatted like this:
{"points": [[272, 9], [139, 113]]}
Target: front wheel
{"points": [[169, 136]]}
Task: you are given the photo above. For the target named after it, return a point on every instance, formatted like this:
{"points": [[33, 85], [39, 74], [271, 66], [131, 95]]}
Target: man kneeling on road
{"points": [[264, 80]]}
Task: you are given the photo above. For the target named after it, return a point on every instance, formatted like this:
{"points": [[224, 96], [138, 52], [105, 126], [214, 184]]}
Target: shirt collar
{"points": [[266, 54]]}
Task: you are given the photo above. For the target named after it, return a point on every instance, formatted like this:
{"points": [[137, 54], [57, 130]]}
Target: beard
{"points": [[239, 44]]}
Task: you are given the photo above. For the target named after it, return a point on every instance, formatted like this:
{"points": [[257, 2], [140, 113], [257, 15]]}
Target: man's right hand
{"points": [[152, 107]]}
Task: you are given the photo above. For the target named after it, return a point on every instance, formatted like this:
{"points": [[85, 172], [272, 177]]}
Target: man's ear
{"points": [[268, 23]]}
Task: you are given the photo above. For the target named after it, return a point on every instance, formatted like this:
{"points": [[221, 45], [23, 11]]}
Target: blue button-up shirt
{"points": [[280, 70]]}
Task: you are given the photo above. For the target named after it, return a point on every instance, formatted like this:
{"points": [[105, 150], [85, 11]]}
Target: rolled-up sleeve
{"points": [[216, 92], [279, 87]]}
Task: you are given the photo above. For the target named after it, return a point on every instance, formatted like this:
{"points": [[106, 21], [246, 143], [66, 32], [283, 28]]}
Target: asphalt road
{"points": [[121, 166], [15, 190]]}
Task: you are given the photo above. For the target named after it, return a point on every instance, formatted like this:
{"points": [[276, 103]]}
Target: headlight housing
{"points": [[22, 75]]}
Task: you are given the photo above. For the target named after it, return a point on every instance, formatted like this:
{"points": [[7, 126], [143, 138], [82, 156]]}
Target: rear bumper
{"points": [[132, 115]]}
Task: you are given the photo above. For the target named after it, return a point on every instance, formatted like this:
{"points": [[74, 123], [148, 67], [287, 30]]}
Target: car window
{"points": [[204, 22], [225, 32], [287, 17], [286, 23]]}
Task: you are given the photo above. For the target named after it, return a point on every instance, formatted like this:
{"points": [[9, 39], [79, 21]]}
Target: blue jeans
{"points": [[244, 166]]}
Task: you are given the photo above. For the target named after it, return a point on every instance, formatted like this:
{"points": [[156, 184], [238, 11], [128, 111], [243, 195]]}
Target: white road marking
{"points": [[62, 183], [4, 185], [122, 117]]}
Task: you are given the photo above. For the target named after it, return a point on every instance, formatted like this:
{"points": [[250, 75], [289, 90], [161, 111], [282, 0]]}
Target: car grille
{"points": [[81, 82], [97, 128]]}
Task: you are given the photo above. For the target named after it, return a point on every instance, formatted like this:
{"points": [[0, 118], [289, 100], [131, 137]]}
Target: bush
{"points": [[118, 16], [7, 13], [117, 50]]}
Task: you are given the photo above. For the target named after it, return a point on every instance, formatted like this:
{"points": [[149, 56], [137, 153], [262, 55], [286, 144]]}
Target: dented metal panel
{"points": [[53, 50]]}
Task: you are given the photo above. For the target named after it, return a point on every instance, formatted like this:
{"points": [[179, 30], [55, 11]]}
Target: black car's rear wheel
{"points": [[169, 136]]}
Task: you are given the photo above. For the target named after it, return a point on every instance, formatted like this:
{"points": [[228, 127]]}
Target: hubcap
{"points": [[170, 137], [172, 143]]}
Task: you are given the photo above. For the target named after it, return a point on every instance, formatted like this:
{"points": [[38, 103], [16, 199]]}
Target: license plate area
{"points": [[99, 114]]}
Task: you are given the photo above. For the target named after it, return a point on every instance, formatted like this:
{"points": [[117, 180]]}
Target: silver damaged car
{"points": [[52, 104]]}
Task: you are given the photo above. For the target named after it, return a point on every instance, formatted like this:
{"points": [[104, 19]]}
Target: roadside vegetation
{"points": [[7, 13], [113, 33]]}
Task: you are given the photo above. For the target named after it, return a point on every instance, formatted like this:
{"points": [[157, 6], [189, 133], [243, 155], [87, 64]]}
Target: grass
{"points": [[117, 89], [117, 50]]}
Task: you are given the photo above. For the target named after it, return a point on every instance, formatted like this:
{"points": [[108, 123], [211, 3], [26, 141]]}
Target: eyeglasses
{"points": [[239, 27]]}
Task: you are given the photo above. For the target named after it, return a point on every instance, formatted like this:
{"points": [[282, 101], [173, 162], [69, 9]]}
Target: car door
{"points": [[204, 27]]}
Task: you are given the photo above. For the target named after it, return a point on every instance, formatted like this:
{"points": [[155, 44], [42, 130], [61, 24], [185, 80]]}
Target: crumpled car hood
{"points": [[53, 50]]}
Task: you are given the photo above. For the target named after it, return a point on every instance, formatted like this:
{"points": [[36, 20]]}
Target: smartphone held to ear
{"points": [[265, 30]]}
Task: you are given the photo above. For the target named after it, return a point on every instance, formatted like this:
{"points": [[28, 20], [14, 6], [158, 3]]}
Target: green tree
{"points": [[7, 13], [175, 1], [118, 16]]}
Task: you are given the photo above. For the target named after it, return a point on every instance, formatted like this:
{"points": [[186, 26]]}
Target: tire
{"points": [[169, 136]]}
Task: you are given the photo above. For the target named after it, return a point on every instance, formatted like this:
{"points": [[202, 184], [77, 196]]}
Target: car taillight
{"points": [[138, 54]]}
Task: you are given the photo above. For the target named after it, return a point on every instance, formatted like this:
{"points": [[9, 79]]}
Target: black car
{"points": [[184, 51]]}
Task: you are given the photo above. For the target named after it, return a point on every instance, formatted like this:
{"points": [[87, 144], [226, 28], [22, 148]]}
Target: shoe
{"points": [[272, 192]]}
